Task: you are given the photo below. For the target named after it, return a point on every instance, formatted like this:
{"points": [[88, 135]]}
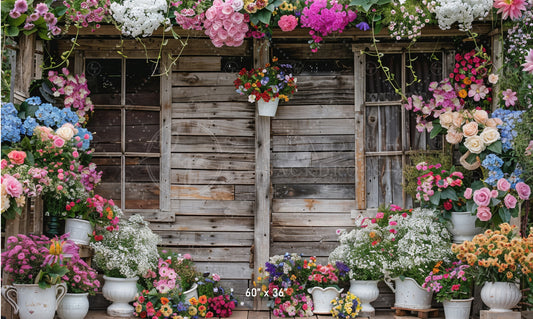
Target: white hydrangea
{"points": [[463, 12], [131, 250], [140, 17]]}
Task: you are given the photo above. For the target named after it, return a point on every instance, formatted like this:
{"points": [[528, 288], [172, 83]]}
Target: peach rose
{"points": [[481, 116], [490, 123], [446, 120], [470, 129], [490, 135], [457, 119], [475, 144], [17, 157], [454, 137]]}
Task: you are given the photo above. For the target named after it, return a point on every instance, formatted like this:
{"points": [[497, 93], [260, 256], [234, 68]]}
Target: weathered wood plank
{"points": [[322, 250], [312, 206], [297, 112], [313, 175], [220, 144], [245, 192], [208, 224], [212, 161], [319, 96], [372, 182], [202, 78], [198, 63], [212, 207], [311, 219], [313, 159], [313, 127], [206, 94], [226, 270], [224, 239], [206, 192], [218, 254], [309, 234], [229, 127], [301, 51], [359, 130], [213, 110], [190, 176], [312, 143], [325, 82], [318, 191]]}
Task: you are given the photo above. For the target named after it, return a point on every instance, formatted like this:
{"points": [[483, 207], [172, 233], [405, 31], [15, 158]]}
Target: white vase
{"points": [[409, 294], [120, 291], [463, 226], [79, 230], [500, 296], [267, 108], [32, 302], [322, 298], [367, 291], [457, 308], [73, 306], [193, 292]]}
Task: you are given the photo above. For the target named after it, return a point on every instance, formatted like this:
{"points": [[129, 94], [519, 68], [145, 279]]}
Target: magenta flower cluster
{"points": [[81, 277], [187, 18], [40, 10], [224, 24], [87, 12]]}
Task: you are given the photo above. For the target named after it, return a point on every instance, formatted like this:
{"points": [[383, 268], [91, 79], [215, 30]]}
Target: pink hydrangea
{"points": [[224, 25]]}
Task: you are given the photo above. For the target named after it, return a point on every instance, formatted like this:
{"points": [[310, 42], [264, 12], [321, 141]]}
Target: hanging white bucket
{"points": [[267, 108]]}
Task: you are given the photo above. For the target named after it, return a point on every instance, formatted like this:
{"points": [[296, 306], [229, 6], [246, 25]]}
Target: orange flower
{"points": [[164, 300], [274, 59], [193, 301], [463, 93], [372, 234], [467, 81], [289, 291], [203, 300], [202, 308], [436, 268]]}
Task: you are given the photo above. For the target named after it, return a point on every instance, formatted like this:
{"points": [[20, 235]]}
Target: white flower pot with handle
{"points": [[457, 308], [79, 230], [193, 292], [120, 291], [267, 108], [409, 294], [500, 296], [32, 302], [367, 291], [74, 306], [463, 226], [322, 298]]}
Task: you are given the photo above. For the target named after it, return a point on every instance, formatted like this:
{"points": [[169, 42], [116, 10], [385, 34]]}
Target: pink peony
{"points": [[468, 193], [523, 190], [12, 185], [528, 65], [287, 22], [17, 157], [510, 8], [503, 185], [482, 196], [483, 213], [510, 201]]}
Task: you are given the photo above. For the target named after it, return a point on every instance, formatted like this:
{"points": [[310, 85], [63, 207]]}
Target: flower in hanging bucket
{"points": [[270, 82], [346, 306]]}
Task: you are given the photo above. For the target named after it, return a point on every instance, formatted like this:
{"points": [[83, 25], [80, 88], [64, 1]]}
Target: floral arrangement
{"points": [[22, 16], [224, 24], [406, 19], [440, 189], [149, 306], [80, 277], [222, 305], [190, 15], [129, 251], [97, 210], [446, 12], [267, 83], [86, 12], [198, 308], [184, 266], [497, 255], [328, 275], [31, 259], [139, 17], [346, 306], [300, 305], [449, 281], [364, 249], [75, 90]]}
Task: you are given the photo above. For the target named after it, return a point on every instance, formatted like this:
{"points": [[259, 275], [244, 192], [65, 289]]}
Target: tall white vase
{"points": [[32, 302], [463, 226], [74, 306], [367, 291], [500, 296], [457, 308], [120, 291], [322, 298]]}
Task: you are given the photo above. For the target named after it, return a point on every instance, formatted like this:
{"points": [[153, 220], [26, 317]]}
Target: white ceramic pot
{"points": [[463, 226], [32, 302], [73, 306], [193, 292], [120, 291], [322, 298], [500, 296], [267, 108], [409, 294], [367, 291], [79, 230], [457, 308]]}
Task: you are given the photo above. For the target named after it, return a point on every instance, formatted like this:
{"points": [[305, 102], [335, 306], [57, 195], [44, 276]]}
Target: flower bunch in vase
{"points": [[80, 278], [272, 81], [328, 275], [346, 306], [450, 281], [99, 211]]}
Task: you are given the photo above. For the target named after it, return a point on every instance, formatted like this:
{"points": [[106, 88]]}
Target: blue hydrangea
{"points": [[34, 100], [85, 143], [492, 162], [507, 129], [68, 117], [11, 123], [29, 125], [514, 178], [494, 176]]}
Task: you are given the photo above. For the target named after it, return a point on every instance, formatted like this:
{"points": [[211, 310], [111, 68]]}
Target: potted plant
{"points": [[324, 282], [267, 86], [499, 258], [34, 265], [123, 256], [346, 306], [452, 285], [81, 282]]}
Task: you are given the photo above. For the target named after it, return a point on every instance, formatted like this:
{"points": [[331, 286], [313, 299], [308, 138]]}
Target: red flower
{"points": [[209, 314], [448, 205], [143, 314], [456, 287]]}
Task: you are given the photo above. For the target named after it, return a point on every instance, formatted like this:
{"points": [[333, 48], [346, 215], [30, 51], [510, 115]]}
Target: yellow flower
{"points": [[192, 311], [138, 308], [56, 247], [166, 310]]}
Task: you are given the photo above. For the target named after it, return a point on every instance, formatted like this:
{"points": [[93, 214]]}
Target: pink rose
{"points": [[380, 215], [58, 141], [510, 201], [483, 213], [523, 190], [494, 193], [287, 23], [482, 196], [13, 186], [468, 193], [503, 185], [17, 157], [4, 164]]}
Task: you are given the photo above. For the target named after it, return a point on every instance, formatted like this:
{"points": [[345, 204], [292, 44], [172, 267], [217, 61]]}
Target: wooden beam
{"points": [[166, 133], [360, 159], [25, 66], [262, 177]]}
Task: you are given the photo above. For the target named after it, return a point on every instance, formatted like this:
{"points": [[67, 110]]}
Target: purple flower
{"points": [[41, 8], [363, 26], [21, 6], [265, 80]]}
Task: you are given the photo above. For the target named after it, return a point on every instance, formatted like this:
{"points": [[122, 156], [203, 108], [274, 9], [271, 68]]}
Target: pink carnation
{"points": [[287, 23]]}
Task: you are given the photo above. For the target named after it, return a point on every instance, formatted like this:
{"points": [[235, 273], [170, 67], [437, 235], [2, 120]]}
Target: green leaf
{"points": [[12, 31], [43, 34], [30, 159], [495, 147], [60, 11], [271, 7], [437, 128], [254, 19], [505, 215], [264, 16], [435, 199], [18, 21], [448, 193]]}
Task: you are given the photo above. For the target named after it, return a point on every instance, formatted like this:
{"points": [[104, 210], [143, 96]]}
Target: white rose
{"points": [[5, 200], [475, 144], [66, 131], [490, 135], [446, 119]]}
